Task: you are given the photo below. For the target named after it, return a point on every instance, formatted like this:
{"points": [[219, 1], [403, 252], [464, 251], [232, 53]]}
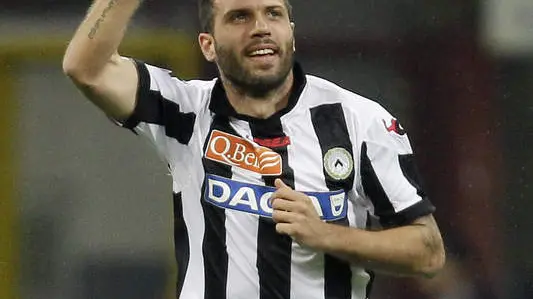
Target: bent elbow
{"points": [[82, 70], [69, 68], [433, 264], [73, 74], [70, 64], [74, 70]]}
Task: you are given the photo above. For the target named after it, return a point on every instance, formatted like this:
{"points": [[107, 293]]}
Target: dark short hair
{"points": [[206, 14]]}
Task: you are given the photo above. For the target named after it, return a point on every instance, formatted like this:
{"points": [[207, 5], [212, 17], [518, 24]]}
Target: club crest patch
{"points": [[338, 163]]}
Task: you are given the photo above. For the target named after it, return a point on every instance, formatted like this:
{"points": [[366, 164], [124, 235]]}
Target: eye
{"points": [[239, 17], [274, 13]]}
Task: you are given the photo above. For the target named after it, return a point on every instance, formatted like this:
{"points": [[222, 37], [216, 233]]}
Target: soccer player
{"points": [[276, 174]]}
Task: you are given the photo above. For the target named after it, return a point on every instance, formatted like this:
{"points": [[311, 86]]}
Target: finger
{"points": [[280, 193], [285, 229], [280, 184], [283, 204], [286, 193], [283, 216]]}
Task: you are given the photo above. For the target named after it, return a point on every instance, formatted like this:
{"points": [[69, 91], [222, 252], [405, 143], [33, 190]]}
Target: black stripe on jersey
{"points": [[423, 207], [332, 132], [331, 129], [273, 250], [152, 107], [382, 205], [410, 171], [214, 244], [181, 242]]}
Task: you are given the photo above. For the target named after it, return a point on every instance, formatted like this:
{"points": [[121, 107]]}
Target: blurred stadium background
{"points": [[85, 207]]}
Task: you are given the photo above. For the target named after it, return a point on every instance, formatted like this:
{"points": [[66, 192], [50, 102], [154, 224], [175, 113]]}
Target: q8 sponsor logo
{"points": [[256, 199], [236, 151]]}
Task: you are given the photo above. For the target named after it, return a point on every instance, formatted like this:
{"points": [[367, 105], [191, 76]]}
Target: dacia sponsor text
{"points": [[256, 199]]}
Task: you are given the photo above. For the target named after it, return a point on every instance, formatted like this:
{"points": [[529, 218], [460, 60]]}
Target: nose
{"points": [[261, 27]]}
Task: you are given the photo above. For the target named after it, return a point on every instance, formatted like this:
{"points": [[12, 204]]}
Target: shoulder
{"points": [[366, 112], [198, 93], [158, 78], [190, 95], [203, 86]]}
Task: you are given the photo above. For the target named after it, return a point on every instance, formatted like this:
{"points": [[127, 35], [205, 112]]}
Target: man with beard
{"points": [[275, 173]]}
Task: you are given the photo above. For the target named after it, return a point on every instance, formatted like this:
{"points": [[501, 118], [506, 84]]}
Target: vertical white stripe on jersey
{"points": [[241, 233], [194, 278], [193, 215], [241, 238], [307, 273], [360, 280], [356, 213], [190, 180], [387, 167], [307, 269], [358, 206]]}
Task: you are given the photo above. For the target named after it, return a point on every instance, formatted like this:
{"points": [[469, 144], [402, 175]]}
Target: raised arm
{"points": [[93, 63]]}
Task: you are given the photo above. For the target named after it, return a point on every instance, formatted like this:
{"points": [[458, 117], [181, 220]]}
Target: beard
{"points": [[245, 81]]}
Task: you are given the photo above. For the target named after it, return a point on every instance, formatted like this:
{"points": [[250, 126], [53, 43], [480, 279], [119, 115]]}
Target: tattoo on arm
{"points": [[101, 19]]}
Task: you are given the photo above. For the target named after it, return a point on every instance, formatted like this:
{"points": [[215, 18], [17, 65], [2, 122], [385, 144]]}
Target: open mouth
{"points": [[262, 51]]}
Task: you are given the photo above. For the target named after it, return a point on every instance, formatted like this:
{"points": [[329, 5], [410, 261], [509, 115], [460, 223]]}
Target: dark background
{"points": [[458, 74]]}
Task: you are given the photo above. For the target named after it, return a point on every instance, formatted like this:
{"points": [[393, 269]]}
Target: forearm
{"points": [[98, 37], [408, 250]]}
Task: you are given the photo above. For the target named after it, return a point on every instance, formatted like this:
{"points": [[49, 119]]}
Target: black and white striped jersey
{"points": [[347, 153]]}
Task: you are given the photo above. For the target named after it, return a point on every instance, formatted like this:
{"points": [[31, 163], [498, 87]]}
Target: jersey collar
{"points": [[221, 105]]}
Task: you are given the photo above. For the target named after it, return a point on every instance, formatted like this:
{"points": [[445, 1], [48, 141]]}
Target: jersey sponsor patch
{"points": [[256, 199], [237, 151]]}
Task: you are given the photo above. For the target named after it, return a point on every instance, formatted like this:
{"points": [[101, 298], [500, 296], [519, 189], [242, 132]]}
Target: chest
{"points": [[304, 156]]}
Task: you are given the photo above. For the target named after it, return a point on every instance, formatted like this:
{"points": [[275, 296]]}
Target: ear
{"points": [[207, 45], [293, 39]]}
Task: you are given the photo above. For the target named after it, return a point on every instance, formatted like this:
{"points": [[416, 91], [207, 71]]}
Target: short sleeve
{"points": [[389, 174], [163, 106]]}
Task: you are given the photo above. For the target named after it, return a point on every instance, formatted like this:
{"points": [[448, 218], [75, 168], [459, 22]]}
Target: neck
{"points": [[262, 107]]}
